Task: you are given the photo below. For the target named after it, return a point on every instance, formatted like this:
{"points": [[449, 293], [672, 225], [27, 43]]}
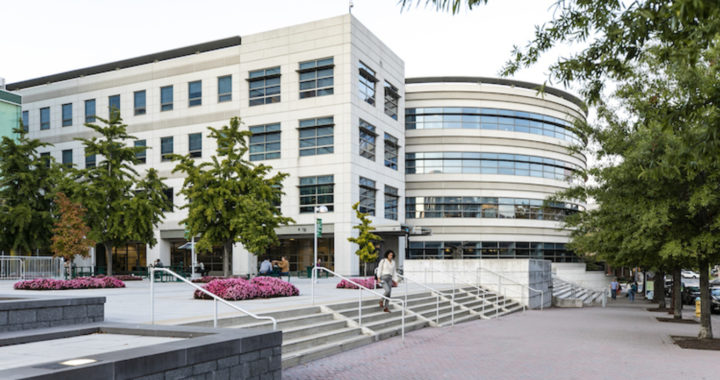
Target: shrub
{"points": [[369, 283], [233, 289], [78, 283], [121, 277]]}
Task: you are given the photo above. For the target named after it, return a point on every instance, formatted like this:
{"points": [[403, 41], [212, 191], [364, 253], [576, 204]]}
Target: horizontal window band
{"points": [[315, 68]]}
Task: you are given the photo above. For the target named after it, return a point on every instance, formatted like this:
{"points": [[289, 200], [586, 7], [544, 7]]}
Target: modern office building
{"points": [[10, 110], [327, 102]]}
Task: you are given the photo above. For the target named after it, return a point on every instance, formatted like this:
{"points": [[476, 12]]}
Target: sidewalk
{"points": [[620, 341]]}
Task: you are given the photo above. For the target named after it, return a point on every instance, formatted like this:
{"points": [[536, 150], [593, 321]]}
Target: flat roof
{"points": [[131, 62], [9, 97], [503, 82]]}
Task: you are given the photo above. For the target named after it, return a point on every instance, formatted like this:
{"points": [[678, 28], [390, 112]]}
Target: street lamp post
{"points": [[316, 210]]}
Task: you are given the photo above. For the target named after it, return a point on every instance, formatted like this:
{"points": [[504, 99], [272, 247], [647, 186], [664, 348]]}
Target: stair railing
{"points": [[478, 274], [214, 297], [433, 291], [361, 287]]}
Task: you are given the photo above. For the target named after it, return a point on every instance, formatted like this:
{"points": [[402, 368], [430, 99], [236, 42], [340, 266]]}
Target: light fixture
{"points": [[78, 362]]}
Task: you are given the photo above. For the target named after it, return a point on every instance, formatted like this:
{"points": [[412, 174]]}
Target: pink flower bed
{"points": [[206, 279], [369, 283], [121, 277], [234, 289], [78, 283]]}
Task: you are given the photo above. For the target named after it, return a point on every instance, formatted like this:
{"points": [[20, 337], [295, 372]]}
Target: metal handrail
{"points": [[438, 294], [214, 297], [574, 286], [542, 293], [361, 287]]}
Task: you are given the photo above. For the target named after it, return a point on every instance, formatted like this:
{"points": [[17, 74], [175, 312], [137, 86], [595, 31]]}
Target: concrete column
{"points": [[346, 261], [243, 262]]}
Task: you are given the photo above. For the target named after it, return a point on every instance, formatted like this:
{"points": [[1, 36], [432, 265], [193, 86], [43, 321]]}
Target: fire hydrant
{"points": [[697, 307]]}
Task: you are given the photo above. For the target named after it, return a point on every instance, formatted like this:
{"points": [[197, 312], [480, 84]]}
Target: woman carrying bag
{"points": [[386, 273]]}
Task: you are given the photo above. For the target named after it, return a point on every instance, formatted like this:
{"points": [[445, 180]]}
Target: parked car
{"points": [[715, 298], [690, 291], [689, 274]]}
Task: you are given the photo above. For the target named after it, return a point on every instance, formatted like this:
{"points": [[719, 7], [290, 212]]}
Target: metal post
{"points": [[193, 257], [437, 309], [314, 264], [403, 322], [215, 320], [360, 308], [406, 290], [152, 296], [452, 306]]}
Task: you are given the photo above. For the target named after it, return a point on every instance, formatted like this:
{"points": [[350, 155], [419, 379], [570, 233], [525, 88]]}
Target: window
{"points": [[139, 98], [316, 78], [166, 98], [195, 93], [316, 136], [555, 252], [67, 157], [67, 115], [114, 105], [45, 118], [166, 148], [391, 100], [90, 161], [26, 121], [367, 83], [46, 158], [367, 196], [169, 194], [391, 152], [90, 111], [391, 202], [367, 140], [265, 142], [225, 88], [488, 208], [141, 155], [264, 86], [195, 144], [316, 191]]}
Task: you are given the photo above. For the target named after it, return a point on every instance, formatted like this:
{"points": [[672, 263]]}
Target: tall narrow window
{"points": [[265, 142], [366, 83], [316, 191], [26, 121], [225, 88], [67, 159], [141, 155], [90, 161], [90, 111], [194, 93], [316, 136], [45, 118], [367, 140], [139, 100], [67, 115], [169, 194], [391, 152], [316, 77], [166, 148], [367, 196], [113, 105], [264, 86], [391, 100], [166, 98], [391, 202], [47, 159], [195, 144]]}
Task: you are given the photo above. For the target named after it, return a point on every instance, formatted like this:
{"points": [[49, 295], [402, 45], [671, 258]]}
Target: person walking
{"points": [[632, 291], [387, 274], [614, 288]]}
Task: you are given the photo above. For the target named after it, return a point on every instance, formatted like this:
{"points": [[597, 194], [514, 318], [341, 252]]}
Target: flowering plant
{"points": [[234, 289], [121, 277], [369, 283], [78, 283], [206, 279]]}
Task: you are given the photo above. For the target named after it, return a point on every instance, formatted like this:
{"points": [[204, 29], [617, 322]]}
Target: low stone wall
{"points": [[206, 353], [24, 313]]}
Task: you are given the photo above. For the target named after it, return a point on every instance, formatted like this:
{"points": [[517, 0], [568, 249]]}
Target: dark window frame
{"points": [[165, 154], [44, 118], [367, 140], [67, 120], [224, 96], [140, 109], [264, 86], [391, 151], [310, 192], [263, 138], [164, 104], [194, 153], [316, 77], [366, 83], [368, 196], [90, 115], [392, 100], [194, 101], [316, 125]]}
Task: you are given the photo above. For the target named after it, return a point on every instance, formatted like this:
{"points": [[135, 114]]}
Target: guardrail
{"points": [[516, 283], [437, 296], [30, 267], [361, 287], [12, 268], [213, 296]]}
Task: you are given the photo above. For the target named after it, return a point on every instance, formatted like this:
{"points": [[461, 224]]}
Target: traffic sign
{"points": [[318, 223]]}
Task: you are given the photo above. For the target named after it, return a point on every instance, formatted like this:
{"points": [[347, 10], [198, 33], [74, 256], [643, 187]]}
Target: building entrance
{"points": [[213, 261], [299, 251]]}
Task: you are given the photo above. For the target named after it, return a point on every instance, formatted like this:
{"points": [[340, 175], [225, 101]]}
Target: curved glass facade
{"points": [[489, 118], [486, 207], [555, 252], [487, 163]]}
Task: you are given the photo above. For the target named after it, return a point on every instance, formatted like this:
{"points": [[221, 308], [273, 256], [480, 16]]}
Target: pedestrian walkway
{"points": [[621, 341]]}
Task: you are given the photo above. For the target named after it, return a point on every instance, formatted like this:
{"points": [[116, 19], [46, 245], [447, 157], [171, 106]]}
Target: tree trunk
{"points": [[659, 292], [227, 251], [705, 325], [676, 298], [364, 268], [644, 283], [108, 258]]}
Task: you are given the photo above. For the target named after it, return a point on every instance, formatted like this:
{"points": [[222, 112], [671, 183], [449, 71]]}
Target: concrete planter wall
{"points": [[24, 313], [514, 273]]}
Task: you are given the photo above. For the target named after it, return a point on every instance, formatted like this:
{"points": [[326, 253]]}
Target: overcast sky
{"points": [[45, 37]]}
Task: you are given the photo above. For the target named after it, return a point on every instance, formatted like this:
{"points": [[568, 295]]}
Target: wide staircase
{"points": [[564, 290], [310, 333]]}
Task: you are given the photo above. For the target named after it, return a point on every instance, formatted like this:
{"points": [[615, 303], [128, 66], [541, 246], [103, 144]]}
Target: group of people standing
{"points": [[616, 288]]}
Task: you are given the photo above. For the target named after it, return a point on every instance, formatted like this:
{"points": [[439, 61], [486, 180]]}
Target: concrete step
{"points": [[248, 320], [446, 315], [428, 306], [292, 322], [319, 339], [317, 352], [387, 332], [390, 321], [459, 319], [298, 332]]}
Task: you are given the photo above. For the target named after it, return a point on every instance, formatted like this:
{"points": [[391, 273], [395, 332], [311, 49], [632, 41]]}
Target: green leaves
{"points": [[366, 248]]}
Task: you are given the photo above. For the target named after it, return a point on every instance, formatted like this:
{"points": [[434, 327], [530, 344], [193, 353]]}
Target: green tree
{"points": [[230, 199], [70, 233], [366, 249], [27, 186], [121, 205]]}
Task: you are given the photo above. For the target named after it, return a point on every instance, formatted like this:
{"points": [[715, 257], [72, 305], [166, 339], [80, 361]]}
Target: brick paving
{"points": [[620, 341]]}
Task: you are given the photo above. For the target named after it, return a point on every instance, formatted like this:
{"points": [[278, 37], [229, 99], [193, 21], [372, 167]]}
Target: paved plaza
{"points": [[622, 341]]}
